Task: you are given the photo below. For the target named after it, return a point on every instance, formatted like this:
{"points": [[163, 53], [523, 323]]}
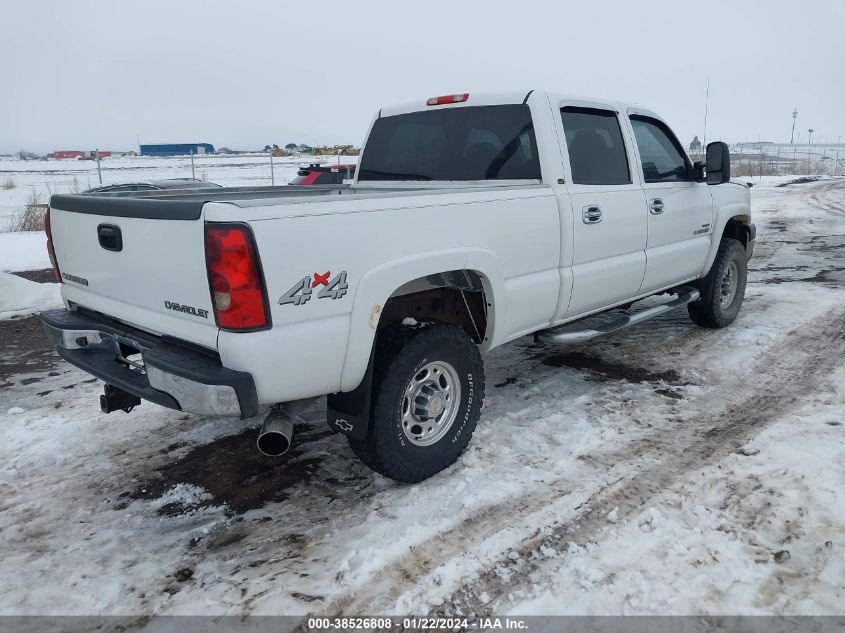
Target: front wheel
{"points": [[723, 289], [427, 393]]}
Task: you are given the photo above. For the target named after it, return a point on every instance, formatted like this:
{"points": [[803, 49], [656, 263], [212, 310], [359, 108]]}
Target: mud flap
{"points": [[349, 413]]}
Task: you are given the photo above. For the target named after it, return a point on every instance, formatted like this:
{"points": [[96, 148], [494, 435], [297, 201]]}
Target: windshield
{"points": [[467, 143]]}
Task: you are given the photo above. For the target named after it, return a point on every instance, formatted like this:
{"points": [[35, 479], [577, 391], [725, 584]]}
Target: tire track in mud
{"points": [[786, 373], [820, 200], [781, 376]]}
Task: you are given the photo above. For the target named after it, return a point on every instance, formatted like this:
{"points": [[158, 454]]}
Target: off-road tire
{"points": [[709, 311], [401, 353]]}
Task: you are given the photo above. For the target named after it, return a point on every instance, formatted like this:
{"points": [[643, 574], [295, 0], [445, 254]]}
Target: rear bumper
{"points": [[171, 375]]}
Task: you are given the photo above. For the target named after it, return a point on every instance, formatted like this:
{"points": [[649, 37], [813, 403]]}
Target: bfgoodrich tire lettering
{"points": [[723, 289], [406, 365]]}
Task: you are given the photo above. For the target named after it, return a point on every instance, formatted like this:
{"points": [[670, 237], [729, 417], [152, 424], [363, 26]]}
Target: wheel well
{"points": [[737, 228], [456, 297]]}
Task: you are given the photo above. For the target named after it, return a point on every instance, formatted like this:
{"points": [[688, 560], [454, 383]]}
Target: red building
{"points": [[66, 153], [76, 153]]}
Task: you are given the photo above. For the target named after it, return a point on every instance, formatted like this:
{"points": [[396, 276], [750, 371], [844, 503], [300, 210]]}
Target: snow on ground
{"points": [[20, 296], [759, 532], [601, 479], [23, 251]]}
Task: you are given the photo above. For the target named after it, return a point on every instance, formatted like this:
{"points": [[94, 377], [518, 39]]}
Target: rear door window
{"points": [[660, 152], [465, 143], [597, 153]]}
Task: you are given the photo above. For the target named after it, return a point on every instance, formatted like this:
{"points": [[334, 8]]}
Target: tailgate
{"points": [[141, 261]]}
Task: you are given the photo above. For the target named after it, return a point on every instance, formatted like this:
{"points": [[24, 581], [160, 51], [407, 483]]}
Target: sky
{"points": [[103, 74]]}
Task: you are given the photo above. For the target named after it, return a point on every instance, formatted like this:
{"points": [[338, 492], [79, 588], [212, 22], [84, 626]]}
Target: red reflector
{"points": [[51, 251], [448, 99], [234, 278]]}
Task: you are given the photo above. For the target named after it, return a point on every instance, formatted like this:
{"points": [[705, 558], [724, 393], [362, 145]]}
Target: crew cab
{"points": [[472, 220]]}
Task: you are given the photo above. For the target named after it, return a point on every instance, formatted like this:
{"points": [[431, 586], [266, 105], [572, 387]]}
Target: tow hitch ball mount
{"points": [[116, 399]]}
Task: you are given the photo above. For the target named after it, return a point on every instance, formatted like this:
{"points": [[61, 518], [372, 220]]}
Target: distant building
{"points": [[66, 153], [176, 149], [695, 146], [78, 154]]}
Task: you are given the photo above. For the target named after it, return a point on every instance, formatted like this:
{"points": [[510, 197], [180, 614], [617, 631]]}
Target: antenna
{"points": [[706, 103]]}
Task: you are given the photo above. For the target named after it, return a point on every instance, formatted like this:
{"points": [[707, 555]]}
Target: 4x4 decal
{"points": [[300, 293]]}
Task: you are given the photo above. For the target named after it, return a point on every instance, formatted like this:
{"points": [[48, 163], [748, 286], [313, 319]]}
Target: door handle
{"points": [[591, 214], [110, 237], [655, 206]]}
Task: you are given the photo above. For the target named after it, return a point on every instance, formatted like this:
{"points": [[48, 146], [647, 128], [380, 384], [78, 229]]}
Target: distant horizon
{"points": [[136, 148], [43, 154]]}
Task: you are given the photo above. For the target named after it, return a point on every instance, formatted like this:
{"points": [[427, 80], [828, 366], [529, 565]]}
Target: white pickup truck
{"points": [[472, 220]]}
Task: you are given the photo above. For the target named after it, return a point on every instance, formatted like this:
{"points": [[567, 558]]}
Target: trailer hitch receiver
{"points": [[115, 399]]}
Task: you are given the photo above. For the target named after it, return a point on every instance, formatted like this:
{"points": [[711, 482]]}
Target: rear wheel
{"points": [[427, 392], [723, 289]]}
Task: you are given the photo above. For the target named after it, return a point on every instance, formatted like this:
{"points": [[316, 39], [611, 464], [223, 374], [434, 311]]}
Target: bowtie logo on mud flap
{"points": [[343, 425]]}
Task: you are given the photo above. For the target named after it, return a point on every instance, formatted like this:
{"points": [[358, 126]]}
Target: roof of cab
{"points": [[516, 97], [475, 99]]}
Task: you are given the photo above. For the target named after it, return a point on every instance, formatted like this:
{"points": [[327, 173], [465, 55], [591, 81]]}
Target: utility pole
{"points": [[836, 162], [272, 171], [99, 171], [706, 103], [193, 172], [794, 116], [809, 150]]}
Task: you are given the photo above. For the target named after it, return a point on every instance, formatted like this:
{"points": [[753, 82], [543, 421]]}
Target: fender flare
{"points": [[379, 283], [739, 210]]}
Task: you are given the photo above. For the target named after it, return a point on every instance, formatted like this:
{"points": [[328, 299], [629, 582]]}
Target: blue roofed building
{"points": [[176, 149]]}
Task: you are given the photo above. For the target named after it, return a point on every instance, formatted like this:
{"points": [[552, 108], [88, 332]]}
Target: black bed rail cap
{"points": [[148, 208]]}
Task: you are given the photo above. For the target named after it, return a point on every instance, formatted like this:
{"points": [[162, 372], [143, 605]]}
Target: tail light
{"points": [[460, 98], [51, 251], [235, 279]]}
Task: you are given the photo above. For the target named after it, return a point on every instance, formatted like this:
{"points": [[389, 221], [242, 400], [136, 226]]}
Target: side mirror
{"points": [[697, 172], [718, 163]]}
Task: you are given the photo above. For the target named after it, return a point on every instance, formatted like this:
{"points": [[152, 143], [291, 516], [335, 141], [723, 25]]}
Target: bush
{"points": [[9, 183], [30, 218]]}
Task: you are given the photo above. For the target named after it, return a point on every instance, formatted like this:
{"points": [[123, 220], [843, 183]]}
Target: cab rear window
{"points": [[466, 143]]}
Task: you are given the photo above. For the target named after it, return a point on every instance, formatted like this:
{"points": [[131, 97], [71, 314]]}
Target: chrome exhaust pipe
{"points": [[275, 435]]}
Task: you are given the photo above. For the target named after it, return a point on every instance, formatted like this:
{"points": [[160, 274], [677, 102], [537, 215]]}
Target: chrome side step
{"points": [[566, 335]]}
